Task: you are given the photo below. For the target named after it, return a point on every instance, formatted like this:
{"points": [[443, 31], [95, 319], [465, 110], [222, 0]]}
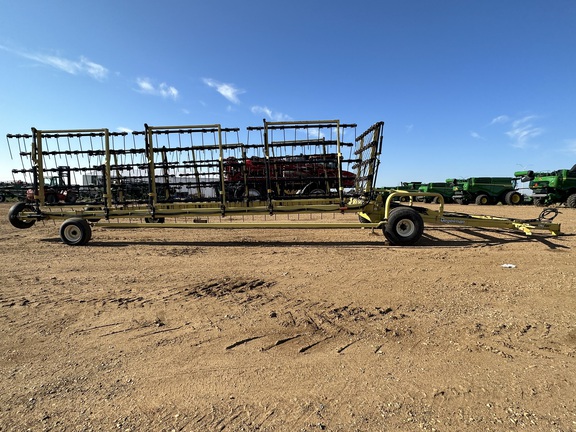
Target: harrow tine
{"points": [[191, 149], [177, 153], [100, 156], [124, 151], [9, 149], [71, 152], [133, 153], [20, 153], [46, 149], [19, 146], [81, 150], [45, 142], [80, 142]]}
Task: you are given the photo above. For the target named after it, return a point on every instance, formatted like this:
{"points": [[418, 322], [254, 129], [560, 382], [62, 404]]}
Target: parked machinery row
{"points": [[542, 189]]}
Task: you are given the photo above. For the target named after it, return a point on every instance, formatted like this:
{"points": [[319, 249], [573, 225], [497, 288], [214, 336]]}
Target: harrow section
{"points": [[94, 177]]}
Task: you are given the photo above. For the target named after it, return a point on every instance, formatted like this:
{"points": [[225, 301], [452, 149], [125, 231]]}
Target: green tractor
{"points": [[555, 187], [485, 191]]}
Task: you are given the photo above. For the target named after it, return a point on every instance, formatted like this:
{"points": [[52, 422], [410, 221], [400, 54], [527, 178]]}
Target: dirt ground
{"points": [[289, 330]]}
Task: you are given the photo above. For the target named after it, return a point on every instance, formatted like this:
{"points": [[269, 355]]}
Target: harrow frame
{"points": [[292, 175]]}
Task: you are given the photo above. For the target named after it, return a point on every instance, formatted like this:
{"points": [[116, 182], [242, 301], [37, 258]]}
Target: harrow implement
{"points": [[185, 174]]}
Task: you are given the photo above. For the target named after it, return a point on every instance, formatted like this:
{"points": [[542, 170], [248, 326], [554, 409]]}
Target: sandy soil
{"points": [[289, 330]]}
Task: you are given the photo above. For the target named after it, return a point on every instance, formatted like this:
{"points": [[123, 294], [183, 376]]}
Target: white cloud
{"points": [[94, 70], [523, 131], [83, 66], [523, 120], [229, 91], [145, 85], [123, 129], [476, 135], [262, 110], [269, 114], [500, 119], [168, 91]]}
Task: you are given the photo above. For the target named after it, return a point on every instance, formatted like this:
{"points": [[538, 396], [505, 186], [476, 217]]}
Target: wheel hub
{"points": [[406, 228]]}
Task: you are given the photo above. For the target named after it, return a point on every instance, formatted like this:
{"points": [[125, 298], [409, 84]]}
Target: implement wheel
{"points": [[571, 201], [539, 201], [154, 220], [75, 232], [513, 198], [404, 227], [14, 212], [482, 199]]}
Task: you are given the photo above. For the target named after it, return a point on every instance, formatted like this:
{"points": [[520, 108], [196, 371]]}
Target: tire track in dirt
{"points": [[297, 324], [231, 414], [518, 339], [291, 321]]}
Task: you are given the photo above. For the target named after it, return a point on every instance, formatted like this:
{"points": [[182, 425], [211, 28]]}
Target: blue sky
{"points": [[465, 88]]}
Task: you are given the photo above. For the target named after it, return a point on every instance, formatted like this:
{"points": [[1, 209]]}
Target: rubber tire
{"points": [[71, 197], [404, 227], [75, 232], [13, 213], [571, 201], [513, 198], [482, 199], [154, 220], [2, 198], [539, 202], [50, 199], [253, 194]]}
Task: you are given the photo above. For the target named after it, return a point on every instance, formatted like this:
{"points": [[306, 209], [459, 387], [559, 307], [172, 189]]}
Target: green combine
{"points": [[486, 191], [443, 188], [555, 187]]}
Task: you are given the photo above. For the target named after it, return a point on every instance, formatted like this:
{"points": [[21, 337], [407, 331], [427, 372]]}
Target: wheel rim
{"points": [[73, 234], [405, 228], [253, 193]]}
